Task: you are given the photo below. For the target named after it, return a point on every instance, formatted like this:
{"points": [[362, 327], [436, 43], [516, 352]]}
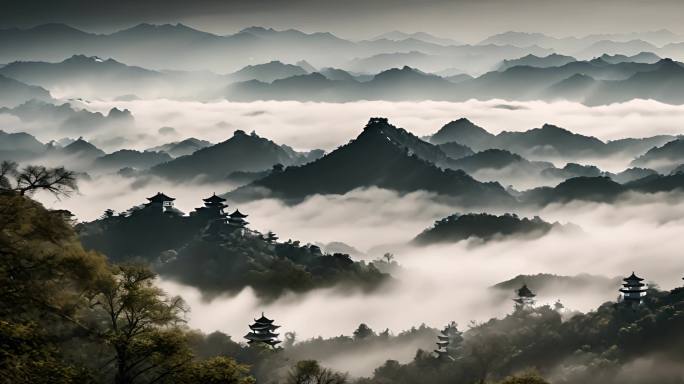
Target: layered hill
{"points": [[242, 152], [13, 92], [484, 226], [378, 157], [547, 142]]}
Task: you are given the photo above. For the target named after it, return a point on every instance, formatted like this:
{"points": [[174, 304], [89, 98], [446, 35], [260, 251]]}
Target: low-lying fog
{"points": [[312, 125], [439, 283]]}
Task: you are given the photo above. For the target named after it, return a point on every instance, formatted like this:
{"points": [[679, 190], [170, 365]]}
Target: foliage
{"points": [[32, 178], [216, 370], [67, 316], [190, 251], [485, 226], [310, 372]]}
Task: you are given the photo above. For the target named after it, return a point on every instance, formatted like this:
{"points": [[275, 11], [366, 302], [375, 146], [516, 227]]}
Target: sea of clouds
{"points": [[438, 283]]}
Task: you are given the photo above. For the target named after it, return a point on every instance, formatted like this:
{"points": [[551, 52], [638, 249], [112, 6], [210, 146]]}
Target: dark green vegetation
{"points": [[602, 346], [457, 227], [199, 251], [68, 316]]}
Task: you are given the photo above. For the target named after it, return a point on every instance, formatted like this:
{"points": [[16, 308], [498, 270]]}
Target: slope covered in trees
{"points": [[456, 227], [381, 156]]}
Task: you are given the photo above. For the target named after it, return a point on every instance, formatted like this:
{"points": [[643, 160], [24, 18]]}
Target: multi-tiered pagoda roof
{"points": [[163, 203], [237, 219], [633, 290], [161, 199], [213, 207], [262, 332], [525, 296], [449, 342]]}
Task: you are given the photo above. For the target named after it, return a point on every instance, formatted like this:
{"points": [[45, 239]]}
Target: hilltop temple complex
{"points": [[212, 215]]}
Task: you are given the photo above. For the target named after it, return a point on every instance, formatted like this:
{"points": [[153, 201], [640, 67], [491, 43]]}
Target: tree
{"points": [[142, 325], [217, 370], [311, 372], [388, 257], [525, 378], [363, 331], [32, 178], [46, 277]]}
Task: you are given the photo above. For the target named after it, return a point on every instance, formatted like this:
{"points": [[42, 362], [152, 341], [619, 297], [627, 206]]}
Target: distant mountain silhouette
{"points": [[552, 60], [657, 183], [455, 150], [664, 158], [242, 152], [632, 174], [380, 156], [13, 92], [181, 148], [79, 71], [463, 131], [67, 118], [19, 146], [83, 150], [127, 158], [552, 285], [595, 189], [572, 170], [499, 159], [632, 47], [642, 57], [457, 227], [601, 189], [544, 143], [426, 37], [549, 140], [267, 72]]}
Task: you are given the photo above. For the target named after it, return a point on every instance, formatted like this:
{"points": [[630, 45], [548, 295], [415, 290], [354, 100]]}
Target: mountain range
{"points": [[381, 156], [546, 143], [602, 80], [242, 152]]}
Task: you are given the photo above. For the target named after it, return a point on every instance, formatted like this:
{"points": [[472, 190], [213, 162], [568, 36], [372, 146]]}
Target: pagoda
{"points": [[237, 220], [449, 342], [160, 202], [262, 332], [524, 298], [213, 208], [633, 290]]}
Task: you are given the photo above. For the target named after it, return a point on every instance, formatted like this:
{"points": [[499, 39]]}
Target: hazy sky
{"points": [[466, 20]]}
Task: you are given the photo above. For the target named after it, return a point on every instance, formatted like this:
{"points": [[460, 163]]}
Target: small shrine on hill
{"points": [[633, 290], [449, 342], [524, 297], [261, 331]]}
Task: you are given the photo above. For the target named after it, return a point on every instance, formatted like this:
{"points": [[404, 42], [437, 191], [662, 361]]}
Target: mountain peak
{"points": [[462, 131], [257, 30]]}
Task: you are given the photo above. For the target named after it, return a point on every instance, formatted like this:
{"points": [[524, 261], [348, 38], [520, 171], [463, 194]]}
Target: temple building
{"points": [[449, 342], [525, 297], [213, 208], [161, 203], [262, 332], [237, 220], [633, 290]]}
